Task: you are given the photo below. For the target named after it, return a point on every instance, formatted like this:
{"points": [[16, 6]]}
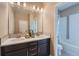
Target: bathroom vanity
{"points": [[28, 25], [39, 46]]}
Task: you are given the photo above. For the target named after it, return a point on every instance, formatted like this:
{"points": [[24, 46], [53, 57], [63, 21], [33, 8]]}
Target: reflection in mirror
{"points": [[23, 20], [36, 22]]}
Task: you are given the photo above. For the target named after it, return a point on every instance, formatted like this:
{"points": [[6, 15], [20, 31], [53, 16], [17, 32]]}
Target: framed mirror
{"points": [[22, 19]]}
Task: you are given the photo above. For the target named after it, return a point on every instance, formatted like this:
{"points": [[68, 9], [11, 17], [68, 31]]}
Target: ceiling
{"points": [[62, 6]]}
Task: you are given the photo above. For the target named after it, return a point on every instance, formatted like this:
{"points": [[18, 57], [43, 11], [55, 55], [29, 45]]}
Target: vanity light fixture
{"points": [[34, 8]]}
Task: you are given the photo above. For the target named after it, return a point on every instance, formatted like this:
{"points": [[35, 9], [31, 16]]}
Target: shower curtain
{"points": [[71, 45]]}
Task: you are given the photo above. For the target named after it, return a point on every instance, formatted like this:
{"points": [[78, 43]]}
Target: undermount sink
{"points": [[14, 39]]}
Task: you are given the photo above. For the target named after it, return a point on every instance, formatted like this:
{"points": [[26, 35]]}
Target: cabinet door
{"points": [[14, 47], [44, 41], [33, 49], [22, 52], [43, 50]]}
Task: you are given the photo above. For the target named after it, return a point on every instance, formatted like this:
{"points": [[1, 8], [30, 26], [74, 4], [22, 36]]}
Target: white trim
{"points": [[56, 34], [71, 49], [65, 5]]}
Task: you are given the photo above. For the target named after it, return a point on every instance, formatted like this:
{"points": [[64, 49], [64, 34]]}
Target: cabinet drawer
{"points": [[33, 53], [14, 47], [34, 48], [44, 41], [32, 43], [21, 52]]}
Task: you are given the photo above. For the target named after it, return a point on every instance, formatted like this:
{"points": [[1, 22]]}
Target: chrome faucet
{"points": [[31, 33]]}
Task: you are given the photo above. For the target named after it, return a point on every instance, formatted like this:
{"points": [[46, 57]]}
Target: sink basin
{"points": [[15, 39], [23, 38]]}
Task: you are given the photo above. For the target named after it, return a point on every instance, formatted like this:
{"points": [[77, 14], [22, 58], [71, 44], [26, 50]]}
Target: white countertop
{"points": [[11, 41]]}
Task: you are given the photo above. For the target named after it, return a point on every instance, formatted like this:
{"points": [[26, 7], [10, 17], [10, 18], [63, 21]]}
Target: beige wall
{"points": [[49, 24], [3, 19]]}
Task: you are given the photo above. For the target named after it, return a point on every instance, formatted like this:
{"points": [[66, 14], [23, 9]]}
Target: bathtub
{"points": [[71, 49]]}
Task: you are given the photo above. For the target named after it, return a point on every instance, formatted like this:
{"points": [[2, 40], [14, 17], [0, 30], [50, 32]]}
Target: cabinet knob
{"points": [[33, 49], [34, 54]]}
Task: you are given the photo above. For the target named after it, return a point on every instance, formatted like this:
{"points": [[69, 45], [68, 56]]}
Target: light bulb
{"points": [[18, 3], [37, 8], [33, 7], [24, 4], [41, 9]]}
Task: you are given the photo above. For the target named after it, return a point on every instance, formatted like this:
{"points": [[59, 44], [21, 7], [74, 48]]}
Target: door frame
{"points": [[58, 6]]}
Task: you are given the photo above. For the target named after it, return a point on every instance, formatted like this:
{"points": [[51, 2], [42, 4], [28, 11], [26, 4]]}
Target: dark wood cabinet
{"points": [[14, 47], [33, 52], [22, 52], [32, 49], [35, 48], [14, 50], [43, 48]]}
